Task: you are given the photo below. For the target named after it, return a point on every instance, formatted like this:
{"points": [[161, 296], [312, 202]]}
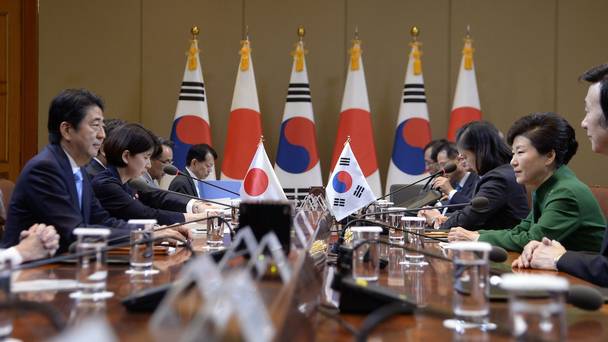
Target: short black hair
{"points": [[433, 144], [111, 124], [450, 149], [132, 137], [547, 132], [162, 142], [483, 139], [599, 74], [70, 106], [199, 152]]}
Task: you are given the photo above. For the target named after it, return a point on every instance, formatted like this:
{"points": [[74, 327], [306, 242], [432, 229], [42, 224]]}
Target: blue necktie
{"points": [[458, 187], [78, 180]]}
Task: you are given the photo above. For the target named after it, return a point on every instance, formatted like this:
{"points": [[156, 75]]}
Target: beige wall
{"points": [[528, 55]]}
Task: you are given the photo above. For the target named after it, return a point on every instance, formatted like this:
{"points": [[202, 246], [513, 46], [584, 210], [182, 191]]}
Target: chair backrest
{"points": [[405, 194], [601, 195], [6, 186]]}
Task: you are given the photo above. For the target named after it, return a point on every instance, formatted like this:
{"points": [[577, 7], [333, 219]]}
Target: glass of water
{"points": [[382, 209], [394, 220], [92, 269], [141, 255], [396, 275], [366, 256], [6, 319], [471, 293], [414, 230], [234, 211], [536, 306], [215, 228]]}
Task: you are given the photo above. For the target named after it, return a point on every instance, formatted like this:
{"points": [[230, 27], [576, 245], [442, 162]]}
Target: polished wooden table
{"points": [[431, 289]]}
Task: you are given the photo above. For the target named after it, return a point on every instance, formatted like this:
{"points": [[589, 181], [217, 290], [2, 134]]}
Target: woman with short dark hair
{"points": [[128, 151], [564, 209], [485, 152]]}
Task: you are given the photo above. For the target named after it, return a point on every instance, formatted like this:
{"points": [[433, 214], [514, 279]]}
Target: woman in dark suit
{"points": [[128, 150], [564, 209], [485, 152]]}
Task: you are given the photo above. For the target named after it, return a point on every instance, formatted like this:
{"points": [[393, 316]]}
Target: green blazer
{"points": [[563, 209]]}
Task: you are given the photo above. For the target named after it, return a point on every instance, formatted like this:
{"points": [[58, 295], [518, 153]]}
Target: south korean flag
{"points": [[347, 190]]}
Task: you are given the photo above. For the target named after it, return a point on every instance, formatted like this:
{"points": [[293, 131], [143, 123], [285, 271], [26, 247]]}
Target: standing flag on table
{"points": [[356, 122], [347, 189], [244, 125], [297, 164], [466, 106], [413, 131], [261, 183], [191, 122]]}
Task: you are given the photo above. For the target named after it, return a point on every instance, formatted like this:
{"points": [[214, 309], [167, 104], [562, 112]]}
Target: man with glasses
{"points": [[53, 187], [458, 186], [161, 158]]}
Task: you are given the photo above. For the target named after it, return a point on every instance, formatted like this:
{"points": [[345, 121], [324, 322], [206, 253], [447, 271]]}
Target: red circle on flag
{"points": [[192, 130], [256, 182]]}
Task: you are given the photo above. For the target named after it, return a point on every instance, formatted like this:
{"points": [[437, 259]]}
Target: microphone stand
{"points": [[142, 186], [175, 171]]}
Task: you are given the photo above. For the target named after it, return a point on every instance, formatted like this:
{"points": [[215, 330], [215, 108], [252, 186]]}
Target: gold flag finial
{"points": [[301, 32], [355, 51], [347, 140], [299, 52], [195, 31], [261, 139], [416, 51], [415, 32], [467, 51], [245, 53], [193, 50]]}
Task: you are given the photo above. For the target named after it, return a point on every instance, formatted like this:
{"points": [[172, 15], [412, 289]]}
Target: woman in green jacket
{"points": [[563, 208]]}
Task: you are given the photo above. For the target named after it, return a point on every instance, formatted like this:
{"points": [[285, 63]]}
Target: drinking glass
{"points": [[92, 269], [536, 306], [366, 259], [141, 255], [471, 293], [215, 228], [394, 220], [414, 229]]}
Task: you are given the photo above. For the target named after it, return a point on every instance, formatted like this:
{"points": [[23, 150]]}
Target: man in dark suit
{"points": [[200, 162], [53, 187], [458, 186], [99, 163], [550, 254], [160, 158]]}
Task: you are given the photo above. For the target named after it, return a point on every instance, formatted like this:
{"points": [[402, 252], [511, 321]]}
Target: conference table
{"points": [[297, 308]]}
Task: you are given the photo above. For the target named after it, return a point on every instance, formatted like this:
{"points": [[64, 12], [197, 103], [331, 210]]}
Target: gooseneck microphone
{"points": [[479, 204], [448, 168], [175, 225], [173, 171], [141, 186]]}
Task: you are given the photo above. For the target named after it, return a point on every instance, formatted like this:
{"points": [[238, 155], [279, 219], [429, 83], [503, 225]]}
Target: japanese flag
{"points": [[261, 183]]}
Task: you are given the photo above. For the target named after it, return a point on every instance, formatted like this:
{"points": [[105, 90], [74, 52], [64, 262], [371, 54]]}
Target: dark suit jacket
{"points": [[183, 184], [508, 203], [591, 267], [119, 200], [93, 168], [465, 194], [46, 193]]}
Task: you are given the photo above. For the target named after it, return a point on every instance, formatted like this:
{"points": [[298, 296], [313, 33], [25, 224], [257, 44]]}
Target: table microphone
{"points": [[175, 225], [448, 168], [142, 186], [478, 204], [173, 171]]}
